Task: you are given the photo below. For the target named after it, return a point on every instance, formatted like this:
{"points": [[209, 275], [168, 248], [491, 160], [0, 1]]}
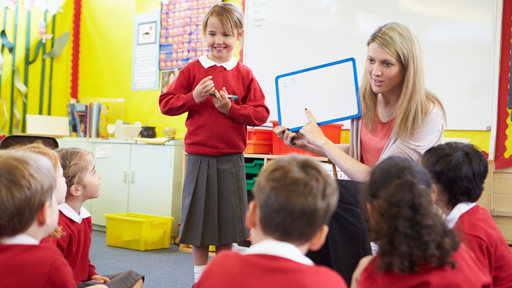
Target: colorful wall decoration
{"points": [[504, 125]]}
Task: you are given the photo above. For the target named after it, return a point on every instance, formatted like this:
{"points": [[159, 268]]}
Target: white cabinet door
{"points": [[151, 183], [114, 170]]}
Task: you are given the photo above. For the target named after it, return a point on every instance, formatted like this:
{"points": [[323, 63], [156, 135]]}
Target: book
{"points": [[80, 110], [72, 121]]}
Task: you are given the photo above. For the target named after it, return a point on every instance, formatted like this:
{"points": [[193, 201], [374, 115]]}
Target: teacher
{"points": [[400, 117]]}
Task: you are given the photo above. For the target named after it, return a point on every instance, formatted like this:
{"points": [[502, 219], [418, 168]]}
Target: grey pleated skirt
{"points": [[214, 200]]}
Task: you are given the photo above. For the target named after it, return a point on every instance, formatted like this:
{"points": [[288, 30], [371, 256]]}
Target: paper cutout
{"points": [[6, 41], [18, 83], [41, 27], [59, 45]]}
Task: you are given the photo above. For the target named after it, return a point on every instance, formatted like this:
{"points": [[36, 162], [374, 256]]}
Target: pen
{"points": [[230, 97]]}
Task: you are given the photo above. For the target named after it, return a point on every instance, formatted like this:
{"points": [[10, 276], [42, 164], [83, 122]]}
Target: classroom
{"points": [[109, 77]]}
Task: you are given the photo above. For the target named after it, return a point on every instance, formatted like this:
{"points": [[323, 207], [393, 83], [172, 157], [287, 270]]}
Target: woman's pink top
{"points": [[372, 143]]}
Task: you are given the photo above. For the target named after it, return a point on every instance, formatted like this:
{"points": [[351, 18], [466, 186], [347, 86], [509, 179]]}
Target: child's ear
{"points": [[434, 194], [250, 215], [76, 190], [239, 35], [319, 239], [42, 216]]}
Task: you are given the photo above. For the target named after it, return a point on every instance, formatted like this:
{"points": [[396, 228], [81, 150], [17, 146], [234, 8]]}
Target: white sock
{"points": [[198, 271]]}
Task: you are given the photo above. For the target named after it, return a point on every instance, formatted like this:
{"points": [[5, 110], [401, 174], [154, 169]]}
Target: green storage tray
{"points": [[250, 183], [254, 167]]}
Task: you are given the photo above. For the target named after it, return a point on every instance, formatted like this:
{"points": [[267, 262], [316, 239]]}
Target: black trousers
{"points": [[348, 239]]}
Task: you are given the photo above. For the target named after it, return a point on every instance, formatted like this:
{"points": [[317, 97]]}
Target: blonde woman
{"points": [[400, 117]]}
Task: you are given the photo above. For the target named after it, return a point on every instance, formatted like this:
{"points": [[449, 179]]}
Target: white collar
{"points": [[206, 62], [70, 213], [280, 249], [457, 211], [19, 239]]}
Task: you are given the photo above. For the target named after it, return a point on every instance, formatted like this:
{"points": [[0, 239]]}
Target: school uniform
{"points": [[467, 274], [75, 245], [25, 263], [476, 228], [214, 197], [269, 263]]}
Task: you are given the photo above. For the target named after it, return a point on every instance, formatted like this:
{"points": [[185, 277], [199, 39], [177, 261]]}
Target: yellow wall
{"points": [[61, 64]]}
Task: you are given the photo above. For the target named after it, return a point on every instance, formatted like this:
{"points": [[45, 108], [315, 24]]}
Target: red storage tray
{"points": [[331, 131], [259, 141]]}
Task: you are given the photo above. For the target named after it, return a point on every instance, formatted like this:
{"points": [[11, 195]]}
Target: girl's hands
{"points": [[283, 132], [221, 101], [100, 279], [203, 90], [312, 132]]}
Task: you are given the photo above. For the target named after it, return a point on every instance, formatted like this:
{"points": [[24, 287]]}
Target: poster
{"points": [[146, 49]]}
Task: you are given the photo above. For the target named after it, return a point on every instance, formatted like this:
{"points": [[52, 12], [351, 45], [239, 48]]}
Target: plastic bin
{"points": [[331, 131], [138, 231], [259, 141], [254, 167], [250, 183]]}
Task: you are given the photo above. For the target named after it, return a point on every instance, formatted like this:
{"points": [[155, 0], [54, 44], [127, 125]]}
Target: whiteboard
{"points": [[331, 88], [457, 37]]}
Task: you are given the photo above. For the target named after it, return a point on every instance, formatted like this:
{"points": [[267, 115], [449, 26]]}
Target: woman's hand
{"points": [[100, 279], [203, 89], [221, 101], [283, 132], [312, 132]]}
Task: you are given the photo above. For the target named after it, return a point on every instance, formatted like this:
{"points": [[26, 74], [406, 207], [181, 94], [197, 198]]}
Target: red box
{"points": [[331, 131], [259, 141]]}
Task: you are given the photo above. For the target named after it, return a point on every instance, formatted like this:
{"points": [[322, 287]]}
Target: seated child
{"points": [[61, 188], [28, 212], [458, 172], [293, 200], [416, 249], [83, 183]]}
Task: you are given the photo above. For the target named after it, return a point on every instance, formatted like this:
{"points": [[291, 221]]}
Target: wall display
{"points": [[145, 51], [457, 38], [181, 35]]}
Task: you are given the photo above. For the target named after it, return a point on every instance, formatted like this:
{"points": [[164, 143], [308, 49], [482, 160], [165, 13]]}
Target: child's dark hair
{"points": [[229, 16], [27, 182], [404, 224], [295, 196], [458, 169], [74, 165]]}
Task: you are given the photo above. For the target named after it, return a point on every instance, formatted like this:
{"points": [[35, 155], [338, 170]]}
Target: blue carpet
{"points": [[163, 267]]}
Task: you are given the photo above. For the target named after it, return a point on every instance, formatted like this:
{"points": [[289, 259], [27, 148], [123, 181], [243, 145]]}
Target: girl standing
{"points": [[214, 190]]}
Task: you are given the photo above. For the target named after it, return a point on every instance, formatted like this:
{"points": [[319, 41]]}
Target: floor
{"points": [[162, 268]]}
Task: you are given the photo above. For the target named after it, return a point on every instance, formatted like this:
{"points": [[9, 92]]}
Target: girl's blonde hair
{"points": [[229, 16], [74, 165], [38, 148], [416, 101]]}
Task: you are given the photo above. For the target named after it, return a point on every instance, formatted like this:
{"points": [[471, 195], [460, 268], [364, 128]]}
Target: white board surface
{"points": [[457, 37], [331, 88]]}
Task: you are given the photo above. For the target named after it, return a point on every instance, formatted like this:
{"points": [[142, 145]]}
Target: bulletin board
{"points": [[457, 38]]}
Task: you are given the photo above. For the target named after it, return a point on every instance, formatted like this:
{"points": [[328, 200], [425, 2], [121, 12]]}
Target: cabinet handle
{"points": [[132, 178], [125, 174]]}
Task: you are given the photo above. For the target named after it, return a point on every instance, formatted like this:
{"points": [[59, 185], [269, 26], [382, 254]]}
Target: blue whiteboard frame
{"points": [[358, 114]]}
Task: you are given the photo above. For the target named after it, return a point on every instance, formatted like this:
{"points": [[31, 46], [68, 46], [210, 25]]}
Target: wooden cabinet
{"points": [[136, 177]]}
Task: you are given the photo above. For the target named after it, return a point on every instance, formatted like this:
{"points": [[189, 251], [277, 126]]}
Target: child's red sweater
{"points": [[209, 131]]}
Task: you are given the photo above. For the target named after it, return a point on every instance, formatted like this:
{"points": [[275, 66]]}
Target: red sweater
{"points": [[467, 274], [478, 230], [75, 245], [232, 269], [209, 131], [34, 266]]}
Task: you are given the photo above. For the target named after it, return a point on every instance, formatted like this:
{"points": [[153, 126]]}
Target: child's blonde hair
{"points": [[27, 182], [416, 101], [229, 16], [74, 165], [295, 197], [38, 148]]}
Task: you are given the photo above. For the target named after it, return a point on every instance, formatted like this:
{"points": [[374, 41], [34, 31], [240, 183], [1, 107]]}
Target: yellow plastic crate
{"points": [[138, 231]]}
